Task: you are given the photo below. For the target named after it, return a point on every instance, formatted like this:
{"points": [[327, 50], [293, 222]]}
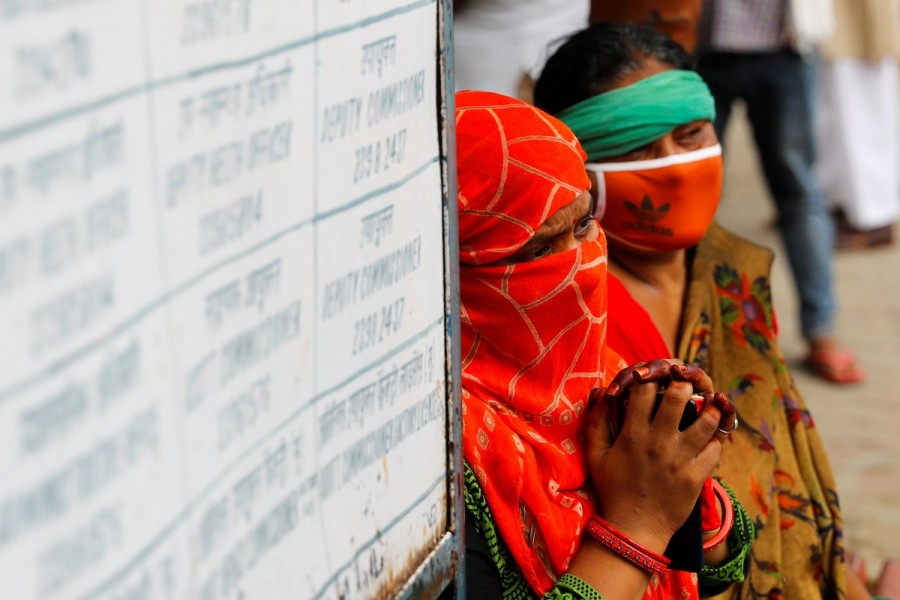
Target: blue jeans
{"points": [[778, 89]]}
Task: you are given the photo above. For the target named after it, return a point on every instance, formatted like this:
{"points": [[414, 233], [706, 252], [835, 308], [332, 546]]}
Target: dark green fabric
{"points": [[620, 120], [514, 585], [570, 587]]}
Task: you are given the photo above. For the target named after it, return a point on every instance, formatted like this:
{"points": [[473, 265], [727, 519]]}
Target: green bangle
{"points": [[569, 587], [734, 569]]}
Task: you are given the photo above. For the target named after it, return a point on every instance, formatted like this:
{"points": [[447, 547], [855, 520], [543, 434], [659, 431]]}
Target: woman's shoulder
{"points": [[721, 246], [728, 243]]}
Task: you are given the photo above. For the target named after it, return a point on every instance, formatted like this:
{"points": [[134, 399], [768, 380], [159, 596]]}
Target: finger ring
{"points": [[733, 427]]}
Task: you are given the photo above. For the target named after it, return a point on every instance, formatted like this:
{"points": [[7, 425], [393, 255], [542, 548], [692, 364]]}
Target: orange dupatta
{"points": [[532, 334]]}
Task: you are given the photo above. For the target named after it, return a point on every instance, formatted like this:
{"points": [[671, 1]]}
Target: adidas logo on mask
{"points": [[647, 215]]}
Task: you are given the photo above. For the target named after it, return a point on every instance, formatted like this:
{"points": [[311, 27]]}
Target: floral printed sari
{"points": [[776, 461]]}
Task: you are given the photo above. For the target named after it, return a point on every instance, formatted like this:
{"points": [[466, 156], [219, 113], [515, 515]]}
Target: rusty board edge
{"points": [[456, 504], [446, 109], [435, 573]]}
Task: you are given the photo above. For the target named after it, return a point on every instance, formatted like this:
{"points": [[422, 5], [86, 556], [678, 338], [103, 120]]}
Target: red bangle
{"points": [[727, 518], [618, 542]]}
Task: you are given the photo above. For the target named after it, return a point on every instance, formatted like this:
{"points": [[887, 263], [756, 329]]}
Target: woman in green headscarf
{"points": [[682, 286]]}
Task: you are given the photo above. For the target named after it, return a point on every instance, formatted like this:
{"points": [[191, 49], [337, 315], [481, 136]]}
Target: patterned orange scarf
{"points": [[531, 332]]}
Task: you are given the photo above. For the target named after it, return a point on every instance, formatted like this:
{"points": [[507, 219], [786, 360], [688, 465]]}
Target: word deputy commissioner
{"points": [[395, 99], [373, 277]]}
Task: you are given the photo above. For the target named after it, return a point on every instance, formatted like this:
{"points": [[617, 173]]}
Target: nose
{"points": [[594, 232], [565, 242]]}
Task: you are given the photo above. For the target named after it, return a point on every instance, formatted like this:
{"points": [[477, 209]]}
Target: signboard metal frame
{"points": [[445, 565]]}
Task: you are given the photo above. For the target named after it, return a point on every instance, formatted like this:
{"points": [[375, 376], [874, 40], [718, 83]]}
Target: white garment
{"points": [[858, 140], [497, 42], [810, 22]]}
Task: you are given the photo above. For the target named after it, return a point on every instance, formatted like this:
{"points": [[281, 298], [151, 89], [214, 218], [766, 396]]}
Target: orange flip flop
{"points": [[836, 366]]}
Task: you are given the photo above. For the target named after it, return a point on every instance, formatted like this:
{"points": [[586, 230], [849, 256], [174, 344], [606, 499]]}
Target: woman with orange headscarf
{"points": [[554, 505]]}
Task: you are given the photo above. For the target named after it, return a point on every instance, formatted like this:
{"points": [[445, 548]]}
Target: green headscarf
{"points": [[623, 119]]}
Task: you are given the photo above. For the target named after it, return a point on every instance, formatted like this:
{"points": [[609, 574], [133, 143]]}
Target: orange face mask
{"points": [[662, 204]]}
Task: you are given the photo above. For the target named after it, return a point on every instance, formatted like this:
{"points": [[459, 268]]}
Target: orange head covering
{"points": [[516, 166], [532, 333]]}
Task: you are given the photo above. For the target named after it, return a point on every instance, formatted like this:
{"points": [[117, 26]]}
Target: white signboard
{"points": [[222, 298]]}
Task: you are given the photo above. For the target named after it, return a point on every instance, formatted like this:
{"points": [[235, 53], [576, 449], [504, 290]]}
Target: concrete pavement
{"points": [[860, 424]]}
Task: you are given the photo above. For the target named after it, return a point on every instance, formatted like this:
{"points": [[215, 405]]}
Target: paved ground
{"points": [[860, 424]]}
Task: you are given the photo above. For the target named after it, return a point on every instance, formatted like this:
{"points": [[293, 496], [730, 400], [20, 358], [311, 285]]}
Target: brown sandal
{"points": [[835, 366]]}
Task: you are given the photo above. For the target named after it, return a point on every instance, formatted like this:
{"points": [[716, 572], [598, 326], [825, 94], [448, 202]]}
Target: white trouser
{"points": [[858, 135]]}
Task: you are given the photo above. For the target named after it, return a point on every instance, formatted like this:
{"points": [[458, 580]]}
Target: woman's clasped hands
{"points": [[648, 474]]}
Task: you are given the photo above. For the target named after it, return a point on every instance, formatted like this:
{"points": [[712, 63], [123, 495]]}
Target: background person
{"points": [[858, 122], [501, 45], [679, 19], [749, 51]]}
